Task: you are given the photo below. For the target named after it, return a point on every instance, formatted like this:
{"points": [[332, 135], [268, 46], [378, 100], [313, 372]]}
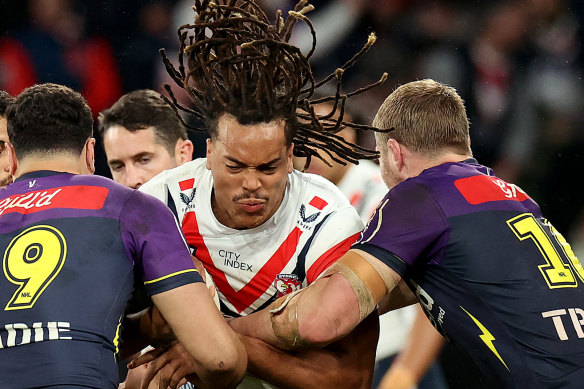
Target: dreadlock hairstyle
{"points": [[237, 62]]}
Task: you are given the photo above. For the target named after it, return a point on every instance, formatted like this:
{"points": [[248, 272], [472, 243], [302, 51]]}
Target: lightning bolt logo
{"points": [[486, 337]]}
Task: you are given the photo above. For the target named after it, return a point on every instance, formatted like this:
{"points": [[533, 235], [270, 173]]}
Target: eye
{"points": [[268, 169], [116, 168], [234, 168], [144, 160]]}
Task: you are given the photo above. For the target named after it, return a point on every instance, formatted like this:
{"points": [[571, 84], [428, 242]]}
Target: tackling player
{"points": [[408, 344], [494, 276], [72, 243]]}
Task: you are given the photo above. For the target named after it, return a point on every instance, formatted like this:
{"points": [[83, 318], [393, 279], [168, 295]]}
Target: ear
{"points": [[209, 152], [13, 162], [395, 154], [183, 151], [290, 158], [90, 155]]}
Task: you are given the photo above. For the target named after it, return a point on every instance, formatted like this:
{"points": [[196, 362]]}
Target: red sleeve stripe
{"points": [[329, 257]]}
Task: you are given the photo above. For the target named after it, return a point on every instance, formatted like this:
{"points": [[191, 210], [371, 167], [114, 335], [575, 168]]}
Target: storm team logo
{"points": [[286, 284]]}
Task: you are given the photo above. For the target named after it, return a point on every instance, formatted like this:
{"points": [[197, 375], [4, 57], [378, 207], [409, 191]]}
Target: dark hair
{"points": [[238, 63], [142, 109], [5, 100], [49, 118]]}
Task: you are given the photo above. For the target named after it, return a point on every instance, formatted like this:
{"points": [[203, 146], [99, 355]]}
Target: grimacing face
{"points": [[250, 166], [5, 176], [134, 157]]}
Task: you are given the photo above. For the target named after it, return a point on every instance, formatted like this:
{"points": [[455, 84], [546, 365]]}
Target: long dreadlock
{"points": [[237, 62]]}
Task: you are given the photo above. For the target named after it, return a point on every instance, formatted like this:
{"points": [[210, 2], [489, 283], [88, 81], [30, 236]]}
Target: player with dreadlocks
{"points": [[261, 229]]}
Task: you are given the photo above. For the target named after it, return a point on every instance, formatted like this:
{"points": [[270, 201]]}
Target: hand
{"points": [[170, 367]]}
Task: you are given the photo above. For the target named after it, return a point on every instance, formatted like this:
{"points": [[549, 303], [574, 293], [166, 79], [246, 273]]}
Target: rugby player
{"points": [[72, 243], [260, 228], [493, 275], [408, 344]]}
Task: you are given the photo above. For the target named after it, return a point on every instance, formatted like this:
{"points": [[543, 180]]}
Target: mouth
{"points": [[251, 206]]}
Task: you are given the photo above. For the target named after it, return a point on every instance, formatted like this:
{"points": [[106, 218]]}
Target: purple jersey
{"points": [[493, 275], [72, 246]]}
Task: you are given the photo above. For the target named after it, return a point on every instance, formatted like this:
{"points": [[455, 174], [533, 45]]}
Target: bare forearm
{"points": [[346, 363], [205, 334]]}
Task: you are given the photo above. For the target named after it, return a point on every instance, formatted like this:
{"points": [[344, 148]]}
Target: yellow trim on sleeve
{"points": [[170, 275]]}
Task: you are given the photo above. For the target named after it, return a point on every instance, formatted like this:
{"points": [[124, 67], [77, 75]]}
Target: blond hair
{"points": [[427, 117]]}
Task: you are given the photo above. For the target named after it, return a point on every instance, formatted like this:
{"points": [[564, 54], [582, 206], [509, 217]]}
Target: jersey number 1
{"points": [[32, 261], [556, 272]]}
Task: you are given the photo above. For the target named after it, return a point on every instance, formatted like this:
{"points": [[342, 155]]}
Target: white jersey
{"points": [[312, 228], [364, 187]]}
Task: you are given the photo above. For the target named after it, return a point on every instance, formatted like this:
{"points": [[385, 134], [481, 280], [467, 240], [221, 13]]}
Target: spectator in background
{"points": [[142, 136], [5, 176], [54, 48]]}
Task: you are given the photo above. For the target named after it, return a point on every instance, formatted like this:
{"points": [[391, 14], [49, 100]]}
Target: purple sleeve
{"points": [[407, 228], [154, 242]]}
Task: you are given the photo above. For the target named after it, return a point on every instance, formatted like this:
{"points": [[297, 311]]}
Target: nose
{"points": [[134, 179], [251, 180]]}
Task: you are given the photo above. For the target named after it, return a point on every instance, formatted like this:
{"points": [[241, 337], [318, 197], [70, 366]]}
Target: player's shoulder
{"points": [[115, 189], [171, 178], [314, 188]]}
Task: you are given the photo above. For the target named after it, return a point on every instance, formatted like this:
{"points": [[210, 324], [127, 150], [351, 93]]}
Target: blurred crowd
{"points": [[517, 64]]}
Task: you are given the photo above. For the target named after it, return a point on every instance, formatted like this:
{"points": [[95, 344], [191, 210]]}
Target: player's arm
{"points": [[346, 363], [327, 310], [153, 240], [219, 356]]}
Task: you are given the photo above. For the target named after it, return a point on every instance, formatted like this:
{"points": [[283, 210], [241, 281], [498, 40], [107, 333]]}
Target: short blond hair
{"points": [[427, 117]]}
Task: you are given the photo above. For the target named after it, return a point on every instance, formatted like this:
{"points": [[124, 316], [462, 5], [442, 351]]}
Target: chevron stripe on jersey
{"points": [[312, 228]]}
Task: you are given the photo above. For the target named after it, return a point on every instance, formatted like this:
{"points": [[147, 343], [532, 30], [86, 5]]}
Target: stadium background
{"points": [[517, 64]]}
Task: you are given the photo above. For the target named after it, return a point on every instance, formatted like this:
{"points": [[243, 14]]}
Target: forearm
{"points": [[197, 323], [318, 315], [346, 363]]}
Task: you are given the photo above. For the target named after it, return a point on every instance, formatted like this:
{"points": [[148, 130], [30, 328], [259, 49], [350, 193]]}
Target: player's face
{"points": [[5, 176], [134, 157], [250, 166]]}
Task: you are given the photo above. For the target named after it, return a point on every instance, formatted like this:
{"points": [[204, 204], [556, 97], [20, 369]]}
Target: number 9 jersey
{"points": [[492, 274], [71, 246]]}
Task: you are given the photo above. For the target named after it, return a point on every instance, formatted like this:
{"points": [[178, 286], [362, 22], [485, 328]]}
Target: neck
{"points": [[62, 164], [420, 163]]}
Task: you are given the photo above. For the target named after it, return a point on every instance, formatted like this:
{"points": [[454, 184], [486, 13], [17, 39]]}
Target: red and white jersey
{"points": [[312, 228]]}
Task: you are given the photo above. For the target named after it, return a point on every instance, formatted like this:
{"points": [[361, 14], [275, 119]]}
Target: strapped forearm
{"points": [[326, 311]]}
